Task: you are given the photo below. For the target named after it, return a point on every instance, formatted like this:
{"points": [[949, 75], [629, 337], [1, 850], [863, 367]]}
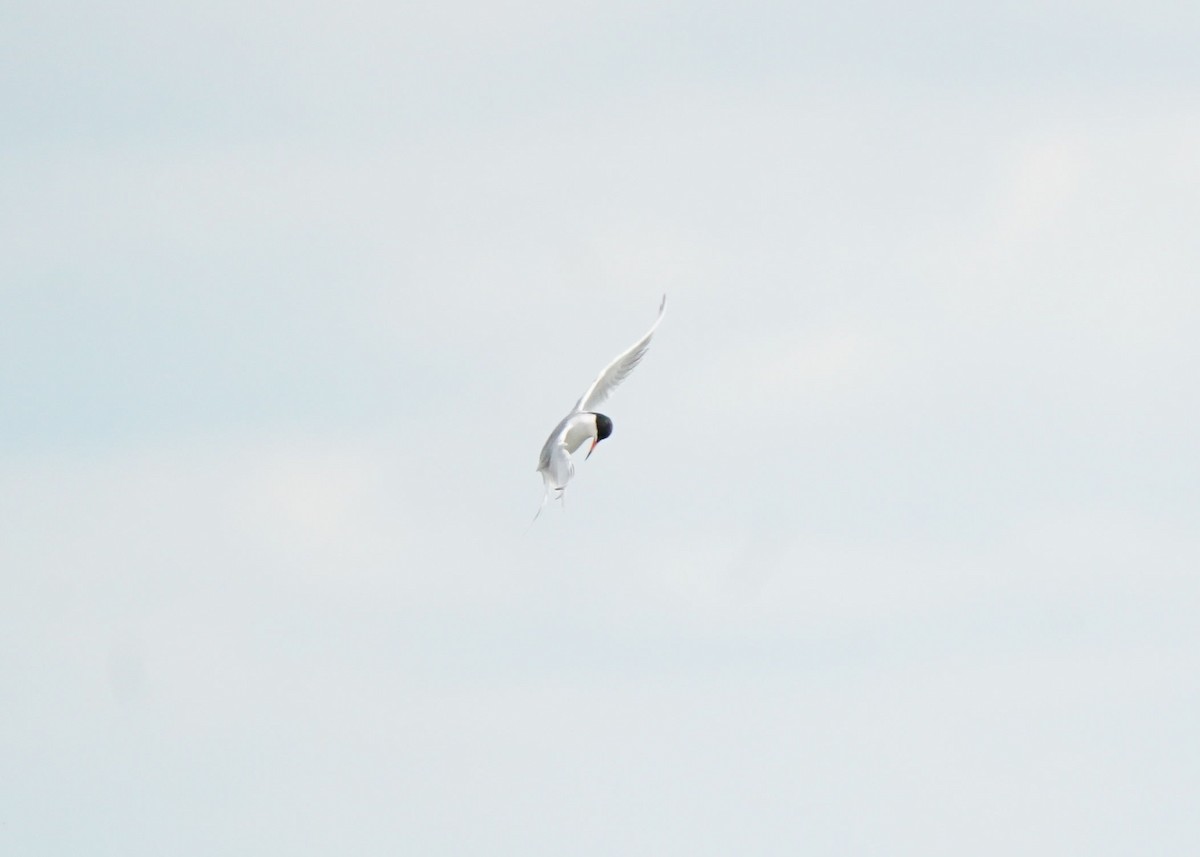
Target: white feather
{"points": [[617, 371]]}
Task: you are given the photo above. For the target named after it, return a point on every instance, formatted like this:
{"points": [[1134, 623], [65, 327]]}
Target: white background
{"points": [[893, 550]]}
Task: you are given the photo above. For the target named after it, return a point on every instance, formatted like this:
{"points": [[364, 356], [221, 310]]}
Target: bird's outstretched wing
{"points": [[617, 371]]}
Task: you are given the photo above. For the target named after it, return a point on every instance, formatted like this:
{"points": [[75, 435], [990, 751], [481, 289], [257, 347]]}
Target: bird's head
{"points": [[603, 430]]}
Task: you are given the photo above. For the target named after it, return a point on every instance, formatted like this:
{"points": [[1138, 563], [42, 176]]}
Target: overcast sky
{"points": [[894, 549]]}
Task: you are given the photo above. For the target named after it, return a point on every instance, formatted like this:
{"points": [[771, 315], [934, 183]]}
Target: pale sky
{"points": [[894, 548]]}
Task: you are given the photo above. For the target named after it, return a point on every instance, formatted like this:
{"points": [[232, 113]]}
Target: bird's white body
{"points": [[583, 423], [555, 463]]}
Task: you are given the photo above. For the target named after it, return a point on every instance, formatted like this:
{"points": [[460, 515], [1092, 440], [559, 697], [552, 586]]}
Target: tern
{"points": [[583, 422]]}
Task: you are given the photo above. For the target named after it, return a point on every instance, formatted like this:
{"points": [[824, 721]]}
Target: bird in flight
{"points": [[583, 423]]}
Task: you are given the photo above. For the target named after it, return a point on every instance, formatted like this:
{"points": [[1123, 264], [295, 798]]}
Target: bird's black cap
{"points": [[603, 427]]}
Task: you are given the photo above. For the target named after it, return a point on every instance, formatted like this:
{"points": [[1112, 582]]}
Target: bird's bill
{"points": [[591, 448]]}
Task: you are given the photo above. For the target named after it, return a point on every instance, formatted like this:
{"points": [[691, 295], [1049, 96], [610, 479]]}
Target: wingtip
{"points": [[662, 306]]}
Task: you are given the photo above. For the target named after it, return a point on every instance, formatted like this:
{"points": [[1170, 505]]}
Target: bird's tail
{"points": [[545, 497], [559, 492]]}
